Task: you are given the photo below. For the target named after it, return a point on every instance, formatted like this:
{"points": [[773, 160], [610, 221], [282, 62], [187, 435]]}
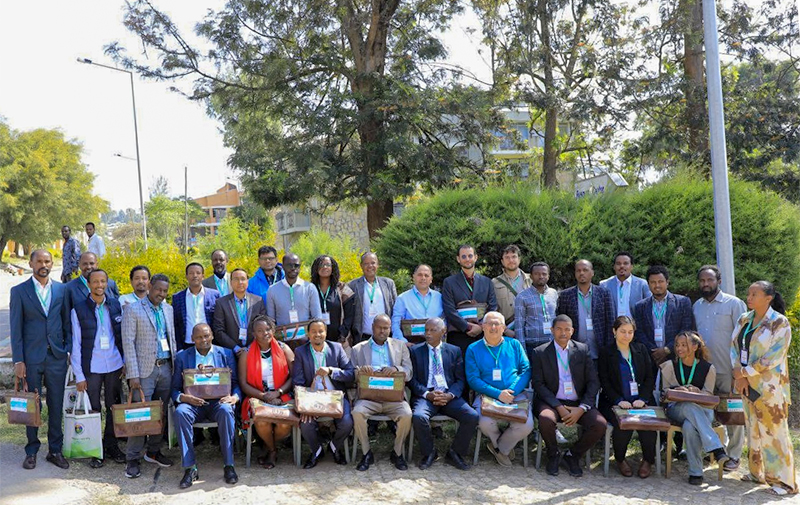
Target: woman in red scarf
{"points": [[264, 375]]}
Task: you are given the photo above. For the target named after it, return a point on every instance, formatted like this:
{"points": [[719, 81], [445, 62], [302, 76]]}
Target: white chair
{"points": [[434, 419], [296, 441], [540, 446], [607, 450], [478, 450]]}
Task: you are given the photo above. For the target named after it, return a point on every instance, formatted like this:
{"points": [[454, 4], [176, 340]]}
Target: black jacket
{"points": [[611, 379], [544, 371]]}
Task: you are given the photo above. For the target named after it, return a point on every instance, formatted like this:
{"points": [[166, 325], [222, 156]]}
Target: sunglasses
{"points": [[291, 265]]}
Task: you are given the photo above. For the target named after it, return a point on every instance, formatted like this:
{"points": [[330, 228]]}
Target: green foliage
{"points": [[160, 258], [793, 313], [316, 242], [240, 240], [165, 216]]}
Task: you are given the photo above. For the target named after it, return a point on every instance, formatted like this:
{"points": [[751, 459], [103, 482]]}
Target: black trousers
{"points": [[621, 438], [111, 384]]}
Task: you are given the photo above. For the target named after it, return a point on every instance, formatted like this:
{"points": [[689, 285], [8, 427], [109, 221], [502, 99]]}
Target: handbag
{"points": [[83, 433], [24, 407], [138, 419], [413, 330], [207, 382], [319, 403], [646, 418], [514, 412], [278, 414], [70, 390], [293, 335], [730, 410], [702, 399], [381, 388], [471, 311]]}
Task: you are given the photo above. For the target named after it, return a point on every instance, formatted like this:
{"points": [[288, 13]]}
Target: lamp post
{"points": [[87, 61]]}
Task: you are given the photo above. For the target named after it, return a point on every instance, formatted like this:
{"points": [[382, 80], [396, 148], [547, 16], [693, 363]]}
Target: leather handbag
{"points": [[24, 407], [279, 414], [207, 382], [319, 403], [413, 330], [471, 311], [647, 418], [138, 419], [702, 399], [293, 335], [730, 410], [513, 412], [380, 387]]}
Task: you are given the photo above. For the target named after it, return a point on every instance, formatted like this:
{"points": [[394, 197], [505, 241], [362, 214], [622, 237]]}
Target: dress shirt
{"points": [[161, 329], [199, 359], [44, 293], [586, 335], [195, 311], [222, 284], [128, 299], [319, 362], [564, 374], [96, 246], [412, 305], [530, 316], [434, 354], [103, 360], [623, 294], [302, 297], [376, 303], [381, 357], [715, 322]]}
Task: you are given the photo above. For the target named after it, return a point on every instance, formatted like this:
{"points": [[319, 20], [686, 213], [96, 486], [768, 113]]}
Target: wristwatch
{"points": [[585, 407]]}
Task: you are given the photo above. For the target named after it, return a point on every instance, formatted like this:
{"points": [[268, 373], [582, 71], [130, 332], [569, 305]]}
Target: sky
{"points": [[43, 86]]}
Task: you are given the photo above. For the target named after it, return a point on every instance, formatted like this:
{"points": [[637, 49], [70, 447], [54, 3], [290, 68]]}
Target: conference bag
{"points": [[647, 418], [730, 410], [24, 407], [293, 335], [319, 402], [207, 382], [513, 412], [83, 432], [380, 387], [471, 311], [137, 419], [702, 399], [413, 330], [278, 414], [70, 390]]}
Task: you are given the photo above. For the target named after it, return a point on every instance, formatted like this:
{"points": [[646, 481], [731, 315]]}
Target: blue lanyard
{"points": [[241, 309], [587, 307], [425, 307], [659, 315]]}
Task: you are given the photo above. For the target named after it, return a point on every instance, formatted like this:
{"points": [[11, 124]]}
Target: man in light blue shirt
{"points": [[292, 300], [419, 302], [626, 289]]}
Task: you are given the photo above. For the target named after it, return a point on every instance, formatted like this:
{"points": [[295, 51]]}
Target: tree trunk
{"points": [[551, 112], [3, 243], [696, 116], [378, 214]]}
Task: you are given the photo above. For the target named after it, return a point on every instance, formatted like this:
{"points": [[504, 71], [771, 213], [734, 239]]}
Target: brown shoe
{"points": [[645, 469], [58, 459], [624, 468], [30, 462]]}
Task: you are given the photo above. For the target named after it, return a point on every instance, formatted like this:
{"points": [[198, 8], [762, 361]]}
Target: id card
{"points": [[439, 381], [243, 335], [589, 325], [293, 316], [326, 318], [497, 374], [105, 342], [744, 356], [634, 388], [569, 389], [659, 335], [373, 310], [548, 327], [163, 344]]}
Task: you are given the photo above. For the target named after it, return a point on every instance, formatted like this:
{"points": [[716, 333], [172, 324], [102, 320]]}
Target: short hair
{"points": [[35, 252], [264, 319], [89, 223], [67, 227], [368, 253], [140, 267], [264, 249], [240, 270], [511, 248], [562, 318], [713, 268], [464, 246], [317, 264], [655, 270], [422, 265], [438, 321], [495, 313], [624, 253], [623, 320], [315, 321], [87, 253], [215, 251], [194, 264], [158, 278], [95, 271], [591, 265], [540, 264]]}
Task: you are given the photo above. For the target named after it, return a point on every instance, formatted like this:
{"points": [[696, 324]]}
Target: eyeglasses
{"points": [[467, 256], [326, 265], [269, 258], [493, 324], [291, 265]]}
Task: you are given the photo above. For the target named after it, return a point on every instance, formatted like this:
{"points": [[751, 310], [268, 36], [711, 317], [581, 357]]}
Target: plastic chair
{"points": [[607, 450]]}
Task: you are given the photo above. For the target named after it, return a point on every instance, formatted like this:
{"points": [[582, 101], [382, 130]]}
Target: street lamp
{"points": [[136, 134]]}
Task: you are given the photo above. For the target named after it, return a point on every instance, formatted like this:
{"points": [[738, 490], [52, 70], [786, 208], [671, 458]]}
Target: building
{"points": [[216, 206]]}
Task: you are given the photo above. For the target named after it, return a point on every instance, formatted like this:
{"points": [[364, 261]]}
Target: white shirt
{"points": [[128, 299], [44, 293], [432, 382], [377, 306], [319, 362], [623, 298], [195, 314], [266, 373], [96, 246]]}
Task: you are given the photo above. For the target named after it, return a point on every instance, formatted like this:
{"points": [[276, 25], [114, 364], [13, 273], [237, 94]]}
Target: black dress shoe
{"points": [[372, 428], [367, 460], [189, 476], [339, 457], [552, 464], [456, 460], [312, 460], [115, 454], [58, 459], [573, 465], [428, 460], [398, 461], [30, 462], [95, 463], [696, 480], [230, 475]]}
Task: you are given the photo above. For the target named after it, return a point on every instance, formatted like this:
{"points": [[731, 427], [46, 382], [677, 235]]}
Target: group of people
{"points": [[570, 357]]}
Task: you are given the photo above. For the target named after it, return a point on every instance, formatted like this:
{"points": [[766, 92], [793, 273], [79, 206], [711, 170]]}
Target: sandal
{"points": [[748, 477], [777, 491], [269, 460]]}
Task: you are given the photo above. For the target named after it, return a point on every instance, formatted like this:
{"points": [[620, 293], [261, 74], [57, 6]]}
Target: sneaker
{"points": [[731, 465], [502, 459], [132, 469], [158, 458]]}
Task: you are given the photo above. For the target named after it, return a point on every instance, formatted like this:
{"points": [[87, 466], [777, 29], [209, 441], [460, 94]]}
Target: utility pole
{"points": [[185, 210]]}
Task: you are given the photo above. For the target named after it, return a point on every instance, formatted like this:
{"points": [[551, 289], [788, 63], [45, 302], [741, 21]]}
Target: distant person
{"points": [[626, 289], [70, 255], [220, 278], [269, 272], [140, 282], [95, 243]]}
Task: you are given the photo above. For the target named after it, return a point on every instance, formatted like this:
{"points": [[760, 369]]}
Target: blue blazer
{"points": [[32, 331], [639, 291], [179, 310], [452, 362], [603, 313], [77, 292], [455, 291], [679, 317], [303, 369], [223, 358]]}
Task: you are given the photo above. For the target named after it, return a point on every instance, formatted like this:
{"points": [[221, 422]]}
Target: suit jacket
{"points": [[226, 320], [455, 291], [611, 377], [544, 371], [639, 291], [32, 331], [209, 283], [361, 355], [303, 370], [187, 359], [603, 313], [679, 317], [452, 363], [77, 292], [389, 292], [140, 337], [181, 317]]}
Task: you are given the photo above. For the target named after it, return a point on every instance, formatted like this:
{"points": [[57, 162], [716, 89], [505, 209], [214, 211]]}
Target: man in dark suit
{"points": [[373, 296], [191, 409], [78, 288], [566, 384], [661, 316], [40, 341], [315, 362], [233, 314], [590, 308], [193, 305], [437, 384], [465, 286], [220, 279]]}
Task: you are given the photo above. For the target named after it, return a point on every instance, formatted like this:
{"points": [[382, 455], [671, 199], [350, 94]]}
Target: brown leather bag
{"points": [[413, 330], [278, 414], [647, 418], [514, 412], [293, 335], [702, 399], [471, 311], [730, 410], [319, 403], [207, 382], [138, 419], [381, 388], [24, 407]]}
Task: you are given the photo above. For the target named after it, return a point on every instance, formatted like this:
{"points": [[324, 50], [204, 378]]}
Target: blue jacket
{"points": [[303, 369], [452, 363], [603, 313], [223, 358], [259, 285], [639, 291], [679, 317], [179, 311], [32, 331], [480, 364]]}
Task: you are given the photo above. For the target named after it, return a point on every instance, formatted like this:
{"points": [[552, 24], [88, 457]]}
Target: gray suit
{"points": [[639, 291], [389, 292]]}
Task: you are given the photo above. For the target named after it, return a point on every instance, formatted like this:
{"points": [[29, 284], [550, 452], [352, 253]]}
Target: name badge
{"points": [[744, 357], [19, 404], [418, 330], [497, 374], [206, 380], [735, 405], [589, 325], [373, 310], [643, 412], [569, 389], [164, 345], [439, 381], [293, 316], [326, 317], [547, 325], [659, 334], [137, 415], [243, 334], [634, 388], [105, 343]]}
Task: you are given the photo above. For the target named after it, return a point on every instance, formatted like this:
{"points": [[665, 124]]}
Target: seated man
{"points": [[566, 384], [498, 368], [436, 386], [384, 355], [191, 409], [318, 361]]}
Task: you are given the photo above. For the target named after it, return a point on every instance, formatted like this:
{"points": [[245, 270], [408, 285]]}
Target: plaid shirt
{"points": [[529, 317], [70, 254]]}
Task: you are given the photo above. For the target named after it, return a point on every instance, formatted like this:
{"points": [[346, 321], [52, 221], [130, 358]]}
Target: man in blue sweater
{"points": [[498, 368]]}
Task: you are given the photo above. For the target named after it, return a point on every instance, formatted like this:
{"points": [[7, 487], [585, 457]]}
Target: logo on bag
{"points": [[78, 428], [73, 396]]}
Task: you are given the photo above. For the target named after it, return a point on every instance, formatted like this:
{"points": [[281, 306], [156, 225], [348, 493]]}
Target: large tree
{"points": [[339, 99]]}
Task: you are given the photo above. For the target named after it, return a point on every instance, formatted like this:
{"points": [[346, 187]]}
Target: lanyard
{"points": [[495, 356], [45, 300], [382, 351], [83, 280], [691, 375], [622, 290], [241, 308], [158, 316], [421, 302], [324, 298], [314, 355], [748, 330], [587, 307], [466, 281], [565, 366], [629, 358], [371, 293], [291, 294], [436, 360], [516, 281], [660, 314], [544, 307], [222, 285], [101, 315]]}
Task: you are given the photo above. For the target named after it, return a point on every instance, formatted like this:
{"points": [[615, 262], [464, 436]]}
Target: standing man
{"points": [[535, 310], [716, 314], [220, 279], [419, 302], [268, 274], [78, 289], [373, 296], [70, 255], [625, 288], [590, 308], [140, 281], [508, 285], [97, 356], [40, 341], [148, 339], [662, 315], [292, 299], [95, 243], [233, 314], [193, 305], [465, 286]]}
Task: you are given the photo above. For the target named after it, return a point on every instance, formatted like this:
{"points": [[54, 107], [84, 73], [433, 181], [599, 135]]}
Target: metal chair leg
{"points": [[477, 448]]}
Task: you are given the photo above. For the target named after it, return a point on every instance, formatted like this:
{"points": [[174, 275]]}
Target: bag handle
{"points": [[87, 403], [209, 373], [70, 376], [17, 382], [141, 395]]}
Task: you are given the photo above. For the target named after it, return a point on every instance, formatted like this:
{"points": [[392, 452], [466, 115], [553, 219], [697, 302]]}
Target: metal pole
{"points": [[138, 165], [719, 163], [185, 210]]}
